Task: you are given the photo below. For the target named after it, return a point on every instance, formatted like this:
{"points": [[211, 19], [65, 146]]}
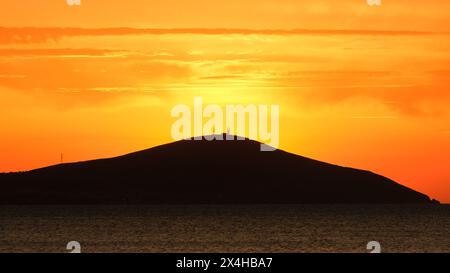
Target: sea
{"points": [[226, 228]]}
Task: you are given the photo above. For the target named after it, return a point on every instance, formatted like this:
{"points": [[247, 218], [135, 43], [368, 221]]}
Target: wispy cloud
{"points": [[12, 76], [374, 117], [41, 35], [60, 52]]}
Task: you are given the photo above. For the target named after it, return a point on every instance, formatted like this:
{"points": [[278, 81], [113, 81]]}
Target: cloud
{"points": [[42, 35], [317, 70], [78, 81], [60, 52]]}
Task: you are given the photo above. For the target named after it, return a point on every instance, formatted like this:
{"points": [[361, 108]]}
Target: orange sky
{"points": [[359, 86]]}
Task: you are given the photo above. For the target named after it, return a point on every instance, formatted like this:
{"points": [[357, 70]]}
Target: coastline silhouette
{"points": [[204, 172]]}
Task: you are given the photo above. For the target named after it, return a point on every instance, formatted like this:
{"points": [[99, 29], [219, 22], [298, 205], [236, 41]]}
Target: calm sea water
{"points": [[303, 228]]}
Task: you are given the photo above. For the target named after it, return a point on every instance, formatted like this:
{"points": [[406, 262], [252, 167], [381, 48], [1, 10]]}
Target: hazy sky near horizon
{"points": [[359, 86]]}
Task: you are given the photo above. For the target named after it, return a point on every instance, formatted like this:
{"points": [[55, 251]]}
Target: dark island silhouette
{"points": [[203, 172]]}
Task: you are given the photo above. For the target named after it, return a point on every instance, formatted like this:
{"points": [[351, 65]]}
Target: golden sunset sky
{"points": [[360, 86]]}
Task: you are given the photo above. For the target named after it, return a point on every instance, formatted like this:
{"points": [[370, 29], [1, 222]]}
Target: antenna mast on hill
{"points": [[62, 158]]}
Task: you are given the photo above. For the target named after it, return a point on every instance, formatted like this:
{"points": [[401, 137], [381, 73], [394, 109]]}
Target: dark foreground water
{"points": [[303, 228]]}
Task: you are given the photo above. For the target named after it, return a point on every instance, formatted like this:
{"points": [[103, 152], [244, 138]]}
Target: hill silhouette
{"points": [[202, 172]]}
